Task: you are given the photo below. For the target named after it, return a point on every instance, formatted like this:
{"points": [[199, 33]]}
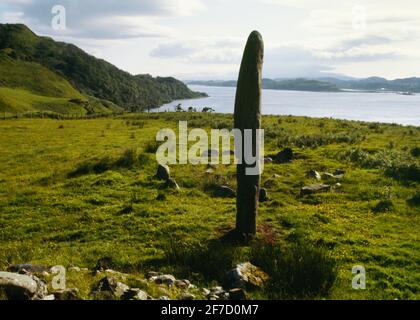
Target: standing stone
{"points": [[248, 116]]}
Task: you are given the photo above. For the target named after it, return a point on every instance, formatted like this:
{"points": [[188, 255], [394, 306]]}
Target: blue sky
{"points": [[204, 39]]}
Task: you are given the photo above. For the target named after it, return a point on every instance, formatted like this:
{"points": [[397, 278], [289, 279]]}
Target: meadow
{"points": [[75, 191]]}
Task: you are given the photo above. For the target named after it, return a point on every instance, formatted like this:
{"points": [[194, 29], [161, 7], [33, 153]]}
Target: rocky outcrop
{"points": [[22, 287], [224, 192]]}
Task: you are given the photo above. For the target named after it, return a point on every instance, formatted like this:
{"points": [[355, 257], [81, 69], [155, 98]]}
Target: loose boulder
{"points": [[224, 192], [28, 268], [314, 174], [263, 195], [134, 294], [111, 284], [22, 287], [315, 188], [285, 156], [246, 275], [163, 172]]}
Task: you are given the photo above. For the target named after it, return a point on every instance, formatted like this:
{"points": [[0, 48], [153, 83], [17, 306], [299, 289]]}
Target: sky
{"points": [[204, 39]]}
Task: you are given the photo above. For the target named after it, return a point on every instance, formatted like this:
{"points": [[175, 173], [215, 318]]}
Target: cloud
{"points": [[102, 19]]}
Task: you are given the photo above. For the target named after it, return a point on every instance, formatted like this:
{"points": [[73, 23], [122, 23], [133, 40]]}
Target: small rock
{"points": [[171, 183], [268, 160], [205, 291], [276, 176], [183, 284], [163, 172], [339, 172], [315, 188], [314, 174], [263, 195], [22, 287], [67, 294], [237, 294], [166, 279], [164, 298], [209, 171], [213, 297], [327, 175], [246, 275], [186, 296], [134, 294], [113, 285], [284, 156], [224, 192], [49, 297]]}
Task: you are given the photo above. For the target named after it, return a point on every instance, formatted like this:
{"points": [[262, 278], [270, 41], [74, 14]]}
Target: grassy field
{"points": [[74, 191]]}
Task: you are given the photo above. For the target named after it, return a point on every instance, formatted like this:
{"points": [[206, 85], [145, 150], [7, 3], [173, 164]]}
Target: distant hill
{"points": [[329, 84], [300, 84], [38, 73], [378, 84]]}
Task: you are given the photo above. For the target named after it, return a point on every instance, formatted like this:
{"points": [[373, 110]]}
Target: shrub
{"points": [[128, 158], [151, 146], [298, 272], [383, 206], [414, 201], [211, 260]]}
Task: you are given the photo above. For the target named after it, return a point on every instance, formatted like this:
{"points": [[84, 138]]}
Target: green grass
{"points": [[114, 208]]}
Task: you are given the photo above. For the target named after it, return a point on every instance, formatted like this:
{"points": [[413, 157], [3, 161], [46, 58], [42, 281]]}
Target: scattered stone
{"points": [[327, 175], [284, 156], [213, 297], [268, 160], [186, 296], [163, 172], [209, 171], [67, 294], [246, 275], [112, 285], [22, 287], [237, 294], [27, 268], [49, 297], [164, 298], [217, 293], [205, 291], [339, 172], [183, 284], [166, 279], [314, 174], [134, 294], [224, 192], [337, 185], [315, 188], [276, 176], [263, 195]]}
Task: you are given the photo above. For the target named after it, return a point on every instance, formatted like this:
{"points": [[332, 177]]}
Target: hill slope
{"points": [[87, 74]]}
